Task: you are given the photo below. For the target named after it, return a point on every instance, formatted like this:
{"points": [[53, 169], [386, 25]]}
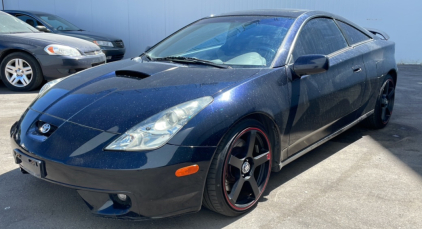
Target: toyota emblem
{"points": [[45, 128]]}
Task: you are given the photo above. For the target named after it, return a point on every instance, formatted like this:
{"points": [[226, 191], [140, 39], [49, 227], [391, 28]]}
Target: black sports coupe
{"points": [[204, 116]]}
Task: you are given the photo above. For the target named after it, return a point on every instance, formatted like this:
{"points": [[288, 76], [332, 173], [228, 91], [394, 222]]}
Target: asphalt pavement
{"points": [[360, 179]]}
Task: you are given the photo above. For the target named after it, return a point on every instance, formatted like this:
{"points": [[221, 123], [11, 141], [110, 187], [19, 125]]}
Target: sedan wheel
{"points": [[20, 72], [240, 170]]}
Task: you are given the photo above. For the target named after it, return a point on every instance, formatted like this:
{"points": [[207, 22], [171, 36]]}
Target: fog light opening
{"points": [[121, 201]]}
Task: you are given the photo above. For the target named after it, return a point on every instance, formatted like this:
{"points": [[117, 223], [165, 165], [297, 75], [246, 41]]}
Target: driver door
{"points": [[324, 102]]}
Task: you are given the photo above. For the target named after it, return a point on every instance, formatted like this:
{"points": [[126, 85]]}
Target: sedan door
{"points": [[325, 102]]}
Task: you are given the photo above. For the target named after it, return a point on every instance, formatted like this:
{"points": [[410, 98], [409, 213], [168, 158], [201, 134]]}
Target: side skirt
{"points": [[322, 141]]}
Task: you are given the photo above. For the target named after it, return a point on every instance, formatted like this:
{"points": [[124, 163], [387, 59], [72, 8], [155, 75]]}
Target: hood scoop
{"points": [[131, 74], [144, 70]]}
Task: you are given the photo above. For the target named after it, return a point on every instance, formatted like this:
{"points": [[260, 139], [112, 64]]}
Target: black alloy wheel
{"points": [[384, 105], [240, 172], [387, 101]]}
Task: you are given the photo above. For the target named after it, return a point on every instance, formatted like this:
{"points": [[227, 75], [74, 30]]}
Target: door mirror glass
{"points": [[311, 64], [42, 28]]}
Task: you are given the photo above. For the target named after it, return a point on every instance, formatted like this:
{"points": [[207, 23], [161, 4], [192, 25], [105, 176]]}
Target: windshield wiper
{"points": [[183, 59]]}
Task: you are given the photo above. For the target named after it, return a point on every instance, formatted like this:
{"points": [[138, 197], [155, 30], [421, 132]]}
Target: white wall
{"points": [[141, 23]]}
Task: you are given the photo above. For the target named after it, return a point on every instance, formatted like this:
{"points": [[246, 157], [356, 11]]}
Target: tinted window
{"points": [[355, 36], [319, 36], [29, 20]]}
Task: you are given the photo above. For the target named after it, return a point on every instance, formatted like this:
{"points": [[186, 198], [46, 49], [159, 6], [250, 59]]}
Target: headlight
{"points": [[61, 50], [104, 43], [49, 85], [158, 129]]}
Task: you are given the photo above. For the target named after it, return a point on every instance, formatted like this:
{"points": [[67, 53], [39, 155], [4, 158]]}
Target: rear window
{"points": [[353, 35]]}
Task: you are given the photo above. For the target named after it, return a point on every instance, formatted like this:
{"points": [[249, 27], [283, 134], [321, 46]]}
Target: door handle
{"points": [[357, 69]]}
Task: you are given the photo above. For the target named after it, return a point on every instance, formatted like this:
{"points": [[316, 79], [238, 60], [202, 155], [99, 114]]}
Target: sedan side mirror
{"points": [[311, 64], [42, 28]]}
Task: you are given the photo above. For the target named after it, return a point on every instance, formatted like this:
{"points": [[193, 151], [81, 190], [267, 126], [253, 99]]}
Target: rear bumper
{"points": [[54, 67]]}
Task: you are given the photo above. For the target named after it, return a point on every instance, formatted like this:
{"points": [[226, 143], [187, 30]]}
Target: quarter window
{"points": [[319, 36], [353, 35]]}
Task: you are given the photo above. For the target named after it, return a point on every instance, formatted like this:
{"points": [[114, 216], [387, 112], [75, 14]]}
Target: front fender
{"points": [[266, 94]]}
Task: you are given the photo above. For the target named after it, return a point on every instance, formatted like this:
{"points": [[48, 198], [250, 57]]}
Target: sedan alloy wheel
{"points": [[18, 72]]}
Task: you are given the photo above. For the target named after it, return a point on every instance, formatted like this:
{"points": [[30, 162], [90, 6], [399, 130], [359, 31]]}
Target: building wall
{"points": [[142, 23]]}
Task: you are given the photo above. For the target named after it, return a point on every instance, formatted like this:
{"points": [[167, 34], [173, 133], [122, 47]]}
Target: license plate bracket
{"points": [[33, 166]]}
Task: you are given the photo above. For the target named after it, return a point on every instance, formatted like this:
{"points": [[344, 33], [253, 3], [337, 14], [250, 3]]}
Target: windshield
{"points": [[11, 24], [235, 41], [58, 23]]}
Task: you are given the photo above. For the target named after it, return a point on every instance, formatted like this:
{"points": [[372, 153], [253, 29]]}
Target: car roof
{"points": [[25, 12], [294, 13]]}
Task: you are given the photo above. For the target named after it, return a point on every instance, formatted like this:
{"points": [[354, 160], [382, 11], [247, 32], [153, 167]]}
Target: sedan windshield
{"points": [[58, 23], [242, 41], [11, 24]]}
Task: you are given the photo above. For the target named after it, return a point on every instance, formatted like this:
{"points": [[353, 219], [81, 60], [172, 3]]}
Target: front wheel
{"points": [[20, 72], [384, 105], [240, 170]]}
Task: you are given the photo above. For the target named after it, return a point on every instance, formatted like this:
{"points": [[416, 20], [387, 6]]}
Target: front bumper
{"points": [[147, 178], [54, 67], [113, 54]]}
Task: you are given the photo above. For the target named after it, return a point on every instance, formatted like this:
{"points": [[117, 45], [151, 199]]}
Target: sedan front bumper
{"points": [[54, 67], [113, 54]]}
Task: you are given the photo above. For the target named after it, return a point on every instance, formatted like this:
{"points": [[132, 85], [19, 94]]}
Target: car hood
{"points": [[45, 39], [106, 98], [90, 36]]}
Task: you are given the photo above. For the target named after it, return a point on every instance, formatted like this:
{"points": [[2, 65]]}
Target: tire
{"points": [[383, 106], [21, 72], [238, 176]]}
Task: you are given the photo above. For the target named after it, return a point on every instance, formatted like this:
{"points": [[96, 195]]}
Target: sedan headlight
{"points": [[49, 85], [61, 50], [158, 129], [104, 43]]}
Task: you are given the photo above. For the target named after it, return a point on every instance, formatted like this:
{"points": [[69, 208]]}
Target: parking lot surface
{"points": [[360, 179]]}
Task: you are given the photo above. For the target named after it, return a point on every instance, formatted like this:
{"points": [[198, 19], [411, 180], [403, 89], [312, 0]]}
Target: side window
{"points": [[29, 20], [319, 36], [355, 36]]}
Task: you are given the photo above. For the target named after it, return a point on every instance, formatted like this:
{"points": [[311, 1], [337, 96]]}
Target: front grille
{"points": [[119, 44], [93, 53], [96, 64]]}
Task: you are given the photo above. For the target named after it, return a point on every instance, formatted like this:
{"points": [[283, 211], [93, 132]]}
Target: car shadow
{"points": [[4, 90]]}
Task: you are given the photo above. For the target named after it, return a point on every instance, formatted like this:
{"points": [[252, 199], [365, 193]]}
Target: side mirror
{"points": [[42, 28], [147, 48], [311, 64]]}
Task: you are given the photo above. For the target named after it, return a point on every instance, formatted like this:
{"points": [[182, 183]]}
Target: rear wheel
{"points": [[240, 170], [20, 72], [384, 105]]}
